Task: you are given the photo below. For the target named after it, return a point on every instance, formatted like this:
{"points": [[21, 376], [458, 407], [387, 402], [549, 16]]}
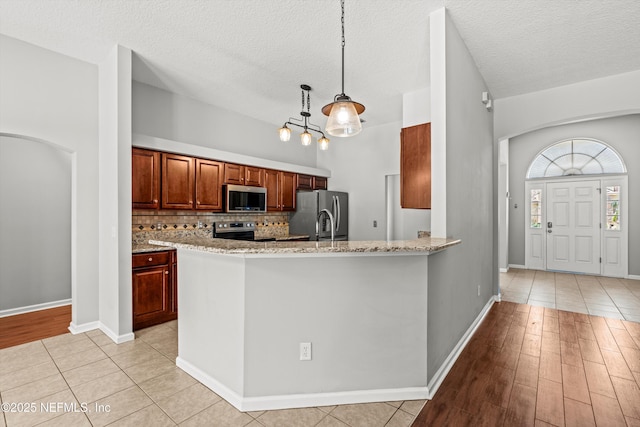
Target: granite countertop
{"points": [[225, 246], [141, 248]]}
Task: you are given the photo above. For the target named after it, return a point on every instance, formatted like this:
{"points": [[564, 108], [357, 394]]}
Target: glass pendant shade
{"points": [[323, 143], [305, 138], [285, 133], [343, 120]]}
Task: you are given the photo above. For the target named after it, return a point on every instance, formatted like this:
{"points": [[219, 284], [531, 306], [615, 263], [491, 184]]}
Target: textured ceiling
{"points": [[251, 55]]}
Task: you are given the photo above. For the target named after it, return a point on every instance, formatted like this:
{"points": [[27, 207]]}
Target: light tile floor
{"points": [[596, 295], [137, 384]]}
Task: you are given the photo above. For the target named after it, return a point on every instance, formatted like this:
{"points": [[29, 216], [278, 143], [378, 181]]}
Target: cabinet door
{"points": [[145, 179], [272, 183], [319, 183], [151, 296], [288, 183], [177, 181], [305, 182], [209, 176], [253, 176], [415, 167], [233, 174]]}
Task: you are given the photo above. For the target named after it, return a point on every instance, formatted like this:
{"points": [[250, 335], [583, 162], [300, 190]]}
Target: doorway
{"points": [[577, 225]]}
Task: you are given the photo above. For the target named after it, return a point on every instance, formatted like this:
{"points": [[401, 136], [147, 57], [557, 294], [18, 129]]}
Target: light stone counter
{"points": [[235, 247]]}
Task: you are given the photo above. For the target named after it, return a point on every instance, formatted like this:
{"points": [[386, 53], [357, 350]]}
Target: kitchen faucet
{"points": [[330, 221]]}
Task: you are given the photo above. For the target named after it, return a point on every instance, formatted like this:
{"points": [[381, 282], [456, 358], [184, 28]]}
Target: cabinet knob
{"points": [[150, 259], [155, 200], [166, 272], [198, 202]]}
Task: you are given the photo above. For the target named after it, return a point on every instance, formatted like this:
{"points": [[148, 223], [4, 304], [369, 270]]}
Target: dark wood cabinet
{"points": [[319, 183], [233, 174], [415, 167], [154, 292], [145, 179], [208, 185], [272, 183], [305, 182], [177, 181], [253, 176], [281, 190], [288, 183], [243, 175]]}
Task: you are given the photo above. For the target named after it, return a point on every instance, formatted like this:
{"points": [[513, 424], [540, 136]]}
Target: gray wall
{"points": [[46, 96], [621, 133], [163, 114], [456, 273], [35, 223]]}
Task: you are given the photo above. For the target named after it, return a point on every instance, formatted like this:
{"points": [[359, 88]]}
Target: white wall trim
{"points": [[86, 327], [633, 277], [304, 400], [35, 307], [118, 339], [504, 270], [521, 267], [440, 375]]}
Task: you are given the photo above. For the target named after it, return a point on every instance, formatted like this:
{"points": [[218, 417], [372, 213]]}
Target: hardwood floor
{"points": [[535, 366], [34, 326]]}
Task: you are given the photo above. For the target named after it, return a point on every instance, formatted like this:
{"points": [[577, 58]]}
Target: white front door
{"points": [[573, 226]]}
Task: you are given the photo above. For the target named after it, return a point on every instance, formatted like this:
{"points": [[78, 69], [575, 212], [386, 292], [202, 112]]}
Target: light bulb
{"points": [[305, 138], [343, 120], [324, 143], [285, 133]]}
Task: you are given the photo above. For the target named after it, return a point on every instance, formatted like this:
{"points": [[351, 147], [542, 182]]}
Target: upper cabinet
{"points": [[145, 180], [305, 182], [281, 190], [243, 175], [415, 167], [177, 181], [209, 177], [319, 183], [172, 181]]}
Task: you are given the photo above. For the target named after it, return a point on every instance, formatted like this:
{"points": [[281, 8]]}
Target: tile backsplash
{"points": [[267, 225]]}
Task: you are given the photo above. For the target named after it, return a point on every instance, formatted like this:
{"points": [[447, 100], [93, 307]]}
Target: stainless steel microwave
{"points": [[242, 198]]}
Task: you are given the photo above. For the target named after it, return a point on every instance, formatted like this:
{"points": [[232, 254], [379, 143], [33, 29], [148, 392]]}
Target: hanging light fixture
{"points": [[343, 112], [304, 123]]}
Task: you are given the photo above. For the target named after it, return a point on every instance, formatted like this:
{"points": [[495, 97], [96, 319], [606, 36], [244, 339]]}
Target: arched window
{"points": [[576, 157]]}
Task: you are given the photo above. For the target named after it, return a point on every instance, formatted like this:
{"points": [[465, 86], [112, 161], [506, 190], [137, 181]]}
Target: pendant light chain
{"points": [[343, 43]]}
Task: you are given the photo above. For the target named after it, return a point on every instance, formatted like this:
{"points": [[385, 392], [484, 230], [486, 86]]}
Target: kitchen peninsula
{"points": [[246, 308]]}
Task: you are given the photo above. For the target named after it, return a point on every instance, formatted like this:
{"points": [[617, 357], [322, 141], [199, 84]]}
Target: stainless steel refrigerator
{"points": [[310, 203]]}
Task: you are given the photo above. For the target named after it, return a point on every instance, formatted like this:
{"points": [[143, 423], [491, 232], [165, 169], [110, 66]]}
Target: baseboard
{"points": [[35, 307], [84, 327], [504, 270], [118, 339], [630, 276], [518, 266], [439, 376], [90, 326], [266, 403]]}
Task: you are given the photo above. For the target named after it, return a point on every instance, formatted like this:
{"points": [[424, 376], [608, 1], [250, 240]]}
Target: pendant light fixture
{"points": [[304, 123], [343, 112]]}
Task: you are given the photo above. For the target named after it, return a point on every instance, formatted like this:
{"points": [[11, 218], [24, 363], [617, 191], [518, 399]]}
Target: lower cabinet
{"points": [[155, 288]]}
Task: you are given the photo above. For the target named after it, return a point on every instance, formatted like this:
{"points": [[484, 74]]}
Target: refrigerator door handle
{"points": [[338, 216]]}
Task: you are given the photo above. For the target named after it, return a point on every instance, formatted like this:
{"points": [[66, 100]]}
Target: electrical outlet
{"points": [[305, 351], [478, 290]]}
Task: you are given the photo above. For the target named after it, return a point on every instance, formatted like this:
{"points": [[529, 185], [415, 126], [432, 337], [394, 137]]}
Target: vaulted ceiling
{"points": [[251, 56]]}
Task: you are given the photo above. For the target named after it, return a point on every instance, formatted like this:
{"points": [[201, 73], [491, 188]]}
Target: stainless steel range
{"points": [[237, 230]]}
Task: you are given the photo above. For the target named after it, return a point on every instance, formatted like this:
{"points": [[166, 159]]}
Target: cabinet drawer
{"points": [[150, 258]]}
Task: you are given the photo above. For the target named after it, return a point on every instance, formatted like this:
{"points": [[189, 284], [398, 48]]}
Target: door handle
{"points": [[549, 224], [338, 206], [549, 231]]}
